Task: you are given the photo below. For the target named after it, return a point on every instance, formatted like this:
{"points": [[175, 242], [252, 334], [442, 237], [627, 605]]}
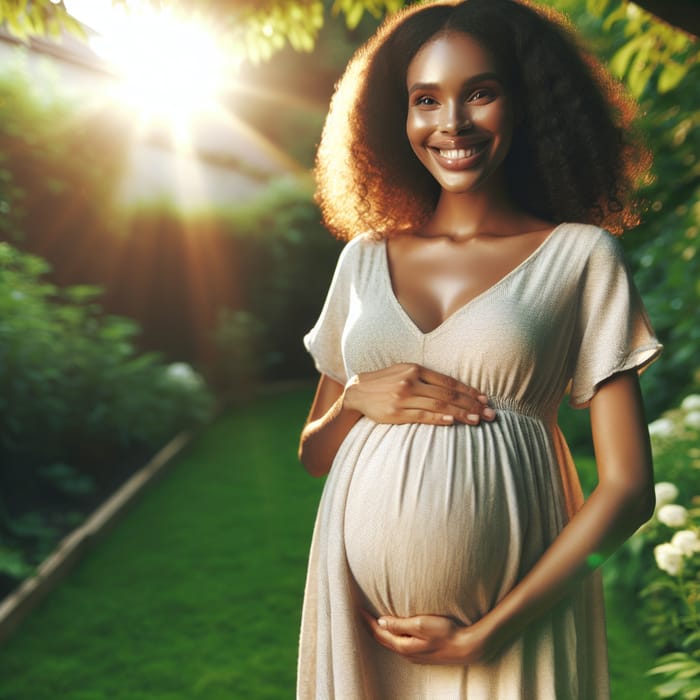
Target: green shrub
{"points": [[76, 401], [70, 377], [670, 600], [58, 165], [288, 258], [238, 365], [664, 250], [234, 289]]}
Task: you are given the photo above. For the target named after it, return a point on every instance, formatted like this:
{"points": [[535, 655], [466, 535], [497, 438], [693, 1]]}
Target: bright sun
{"points": [[173, 74], [170, 69]]}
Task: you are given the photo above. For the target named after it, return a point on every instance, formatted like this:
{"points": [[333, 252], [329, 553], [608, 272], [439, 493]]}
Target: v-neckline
{"points": [[458, 311]]}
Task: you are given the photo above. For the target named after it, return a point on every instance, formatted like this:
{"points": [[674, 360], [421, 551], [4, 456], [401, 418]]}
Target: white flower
{"points": [[691, 402], [687, 541], [692, 419], [668, 558], [672, 515], [666, 492], [662, 428], [182, 373]]}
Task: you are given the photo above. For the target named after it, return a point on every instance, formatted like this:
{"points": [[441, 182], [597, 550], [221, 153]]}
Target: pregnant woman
{"points": [[473, 157]]}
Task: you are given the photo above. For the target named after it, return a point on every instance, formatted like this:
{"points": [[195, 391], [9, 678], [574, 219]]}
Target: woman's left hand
{"points": [[429, 639]]}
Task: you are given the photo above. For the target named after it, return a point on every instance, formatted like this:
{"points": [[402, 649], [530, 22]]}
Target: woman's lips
{"points": [[459, 158]]}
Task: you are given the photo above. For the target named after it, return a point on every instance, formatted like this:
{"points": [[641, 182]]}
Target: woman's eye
{"points": [[482, 94], [425, 101]]}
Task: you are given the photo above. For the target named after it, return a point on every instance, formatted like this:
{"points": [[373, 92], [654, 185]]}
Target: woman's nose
{"points": [[455, 118]]}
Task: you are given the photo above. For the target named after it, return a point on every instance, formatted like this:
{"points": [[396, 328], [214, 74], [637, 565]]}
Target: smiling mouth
{"points": [[461, 153]]}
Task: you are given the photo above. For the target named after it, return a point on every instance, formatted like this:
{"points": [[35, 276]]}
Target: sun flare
{"points": [[177, 77], [170, 69]]}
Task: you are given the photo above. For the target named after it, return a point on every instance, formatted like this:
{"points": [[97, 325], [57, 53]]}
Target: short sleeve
{"points": [[324, 340], [613, 332]]}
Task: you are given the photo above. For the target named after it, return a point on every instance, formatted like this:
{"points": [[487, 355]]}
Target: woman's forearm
{"points": [[321, 437], [622, 501], [609, 516], [401, 393]]}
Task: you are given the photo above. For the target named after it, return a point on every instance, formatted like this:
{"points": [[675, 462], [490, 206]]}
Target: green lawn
{"points": [[197, 593]]}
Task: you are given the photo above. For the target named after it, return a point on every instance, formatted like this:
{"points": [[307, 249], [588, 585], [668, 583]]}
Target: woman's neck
{"points": [[468, 214]]}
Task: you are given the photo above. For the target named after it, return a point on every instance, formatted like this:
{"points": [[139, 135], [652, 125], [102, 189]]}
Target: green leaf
{"points": [[668, 690], [12, 562], [67, 480], [639, 79], [675, 656], [671, 75], [353, 15], [619, 13], [621, 60], [691, 640], [82, 293], [672, 667], [597, 7], [692, 693]]}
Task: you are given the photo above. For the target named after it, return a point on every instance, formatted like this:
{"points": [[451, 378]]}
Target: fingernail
{"points": [[489, 413], [382, 623], [448, 419], [483, 398], [473, 416]]}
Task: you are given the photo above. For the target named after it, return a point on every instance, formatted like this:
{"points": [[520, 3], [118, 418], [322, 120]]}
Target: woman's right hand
{"points": [[410, 393]]}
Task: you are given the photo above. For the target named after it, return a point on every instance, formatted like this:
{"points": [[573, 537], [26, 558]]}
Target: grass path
{"points": [[197, 593]]}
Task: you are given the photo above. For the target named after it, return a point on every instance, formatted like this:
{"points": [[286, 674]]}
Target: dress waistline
{"points": [[546, 415]]}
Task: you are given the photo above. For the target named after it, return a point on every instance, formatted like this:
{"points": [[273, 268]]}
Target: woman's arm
{"points": [[620, 503], [328, 423], [401, 393]]}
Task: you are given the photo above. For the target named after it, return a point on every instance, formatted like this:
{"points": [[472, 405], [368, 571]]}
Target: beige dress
{"points": [[418, 519]]}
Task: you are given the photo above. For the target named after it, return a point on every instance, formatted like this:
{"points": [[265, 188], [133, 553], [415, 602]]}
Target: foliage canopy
{"points": [[259, 28], [256, 28]]}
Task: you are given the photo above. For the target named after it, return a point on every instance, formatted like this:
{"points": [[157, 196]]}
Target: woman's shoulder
{"points": [[365, 240], [585, 239], [586, 233], [361, 246], [590, 252], [360, 254]]}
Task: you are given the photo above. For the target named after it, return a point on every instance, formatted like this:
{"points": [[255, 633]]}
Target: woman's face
{"points": [[460, 118]]}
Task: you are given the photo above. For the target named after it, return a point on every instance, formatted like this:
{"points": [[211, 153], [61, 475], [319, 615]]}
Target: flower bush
{"points": [[671, 598], [672, 515], [661, 562]]}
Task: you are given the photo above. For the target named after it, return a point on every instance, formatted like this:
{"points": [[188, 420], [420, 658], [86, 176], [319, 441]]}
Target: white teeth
{"points": [[457, 153]]}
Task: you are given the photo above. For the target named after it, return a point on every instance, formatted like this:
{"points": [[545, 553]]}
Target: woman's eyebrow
{"points": [[436, 86]]}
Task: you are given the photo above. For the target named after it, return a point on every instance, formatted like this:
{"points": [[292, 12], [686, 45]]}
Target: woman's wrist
{"points": [[346, 398], [480, 641]]}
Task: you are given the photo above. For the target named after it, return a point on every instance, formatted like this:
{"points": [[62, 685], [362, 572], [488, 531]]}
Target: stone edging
{"points": [[18, 604]]}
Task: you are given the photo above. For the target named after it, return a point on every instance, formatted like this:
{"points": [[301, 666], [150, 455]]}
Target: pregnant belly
{"points": [[446, 519]]}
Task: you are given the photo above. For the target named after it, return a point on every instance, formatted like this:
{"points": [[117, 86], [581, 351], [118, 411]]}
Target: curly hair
{"points": [[574, 154]]}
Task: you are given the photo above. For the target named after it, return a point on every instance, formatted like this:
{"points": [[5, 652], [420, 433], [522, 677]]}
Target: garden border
{"points": [[18, 604], [15, 607]]}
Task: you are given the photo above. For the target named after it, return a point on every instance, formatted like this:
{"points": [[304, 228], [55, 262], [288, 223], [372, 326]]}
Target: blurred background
{"points": [[161, 254]]}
